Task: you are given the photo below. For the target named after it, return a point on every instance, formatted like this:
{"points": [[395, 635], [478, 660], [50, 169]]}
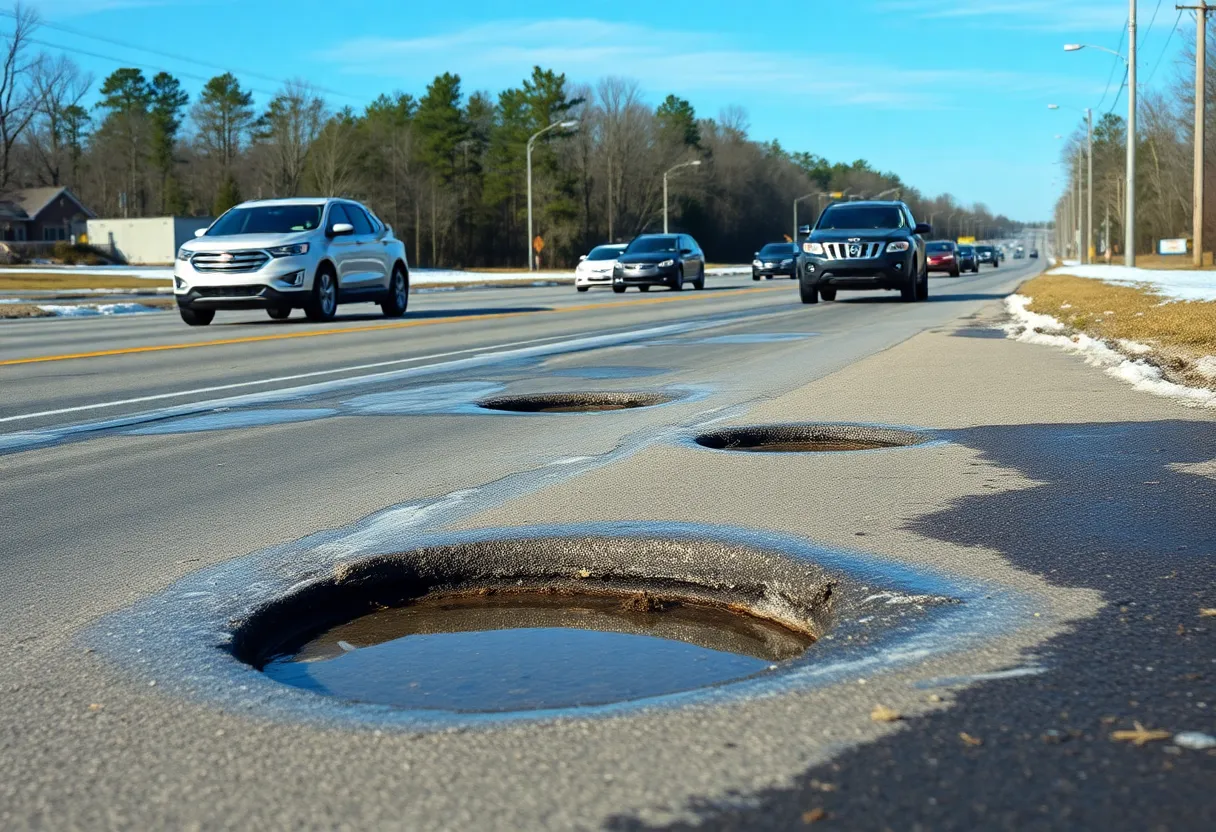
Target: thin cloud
{"points": [[1038, 15], [589, 49]]}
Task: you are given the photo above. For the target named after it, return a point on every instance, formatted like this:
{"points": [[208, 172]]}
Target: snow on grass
{"points": [[1173, 285], [147, 272], [1034, 328], [94, 310]]}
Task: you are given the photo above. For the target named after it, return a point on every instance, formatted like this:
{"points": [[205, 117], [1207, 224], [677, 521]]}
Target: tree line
{"points": [[1165, 136], [445, 168]]}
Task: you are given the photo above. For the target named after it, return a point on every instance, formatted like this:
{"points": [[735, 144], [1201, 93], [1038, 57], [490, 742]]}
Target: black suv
{"points": [[660, 260], [864, 245], [989, 255]]}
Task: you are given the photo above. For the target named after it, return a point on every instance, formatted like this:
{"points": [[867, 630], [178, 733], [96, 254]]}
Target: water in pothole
{"points": [[502, 653]]}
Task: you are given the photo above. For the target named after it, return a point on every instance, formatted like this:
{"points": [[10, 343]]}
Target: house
{"points": [[41, 215], [144, 241]]}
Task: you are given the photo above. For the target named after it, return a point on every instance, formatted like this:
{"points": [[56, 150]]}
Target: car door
{"points": [[368, 272], [343, 248], [688, 262]]}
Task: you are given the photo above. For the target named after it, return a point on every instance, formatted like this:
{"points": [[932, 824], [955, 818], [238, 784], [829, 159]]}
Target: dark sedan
{"points": [[942, 256], [660, 260], [776, 259], [989, 255], [968, 259]]}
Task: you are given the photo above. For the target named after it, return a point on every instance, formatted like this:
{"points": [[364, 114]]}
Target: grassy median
{"points": [[26, 281], [1180, 333]]}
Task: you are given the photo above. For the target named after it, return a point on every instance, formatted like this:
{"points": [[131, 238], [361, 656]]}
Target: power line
{"points": [[170, 55], [1114, 64], [1165, 48]]}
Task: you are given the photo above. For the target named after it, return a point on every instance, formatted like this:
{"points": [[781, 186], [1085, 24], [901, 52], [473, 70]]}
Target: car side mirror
{"points": [[922, 228], [198, 232], [804, 230], [582, 257], [685, 251], [341, 228]]}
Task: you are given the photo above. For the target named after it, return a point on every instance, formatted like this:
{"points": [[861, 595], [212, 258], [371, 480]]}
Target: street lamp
{"points": [[565, 125], [694, 163], [1088, 242], [796, 201], [1129, 223]]}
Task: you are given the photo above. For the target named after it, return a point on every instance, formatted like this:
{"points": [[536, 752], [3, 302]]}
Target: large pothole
{"points": [[576, 402], [810, 438], [532, 625]]}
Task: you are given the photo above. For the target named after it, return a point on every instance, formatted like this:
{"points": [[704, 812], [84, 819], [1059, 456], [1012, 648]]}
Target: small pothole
{"points": [[810, 438], [577, 402]]}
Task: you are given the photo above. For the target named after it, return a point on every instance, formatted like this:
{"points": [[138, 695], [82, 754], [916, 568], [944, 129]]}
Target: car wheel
{"points": [[620, 290], [279, 313], [922, 287], [827, 294], [398, 298], [643, 288], [808, 293], [699, 283], [755, 277], [197, 317], [582, 288], [954, 273], [323, 304], [677, 282]]}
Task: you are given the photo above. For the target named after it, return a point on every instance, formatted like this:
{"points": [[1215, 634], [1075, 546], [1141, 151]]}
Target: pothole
{"points": [[810, 438], [449, 629], [578, 402]]}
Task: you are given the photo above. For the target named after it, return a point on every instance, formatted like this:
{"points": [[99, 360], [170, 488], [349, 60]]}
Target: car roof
{"points": [[295, 200], [892, 203]]}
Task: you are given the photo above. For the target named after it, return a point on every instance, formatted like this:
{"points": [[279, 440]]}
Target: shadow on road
{"points": [[1123, 508], [299, 320]]}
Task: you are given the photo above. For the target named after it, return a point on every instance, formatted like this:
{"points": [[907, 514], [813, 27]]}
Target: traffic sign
{"points": [[538, 244]]}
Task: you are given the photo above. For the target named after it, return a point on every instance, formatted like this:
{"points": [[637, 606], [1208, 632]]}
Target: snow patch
{"points": [[1034, 328], [87, 310], [1174, 285]]}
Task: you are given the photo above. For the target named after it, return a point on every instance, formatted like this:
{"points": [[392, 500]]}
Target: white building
{"points": [[146, 241]]}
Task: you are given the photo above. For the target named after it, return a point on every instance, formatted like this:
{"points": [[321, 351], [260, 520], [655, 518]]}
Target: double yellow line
{"points": [[316, 333]]}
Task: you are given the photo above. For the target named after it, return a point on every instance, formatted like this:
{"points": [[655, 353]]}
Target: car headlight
{"points": [[667, 263], [898, 245], [789, 262], [757, 263], [813, 248], [288, 251], [183, 254]]}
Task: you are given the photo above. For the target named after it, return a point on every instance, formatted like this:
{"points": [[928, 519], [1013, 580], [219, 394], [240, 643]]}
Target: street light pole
{"points": [[693, 163], [1129, 227], [1089, 192], [567, 125], [796, 201]]}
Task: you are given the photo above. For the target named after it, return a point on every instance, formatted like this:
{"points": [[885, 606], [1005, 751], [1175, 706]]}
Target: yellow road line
{"points": [[313, 333]]}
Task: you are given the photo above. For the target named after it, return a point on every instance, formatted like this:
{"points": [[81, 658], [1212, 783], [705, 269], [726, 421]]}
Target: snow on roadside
{"points": [[93, 310], [1175, 285], [1034, 328], [148, 272]]}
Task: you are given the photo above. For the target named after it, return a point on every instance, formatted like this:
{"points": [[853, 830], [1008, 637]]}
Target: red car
{"points": [[942, 256]]}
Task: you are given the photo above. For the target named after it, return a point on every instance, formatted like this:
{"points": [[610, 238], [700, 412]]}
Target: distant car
{"points": [[1034, 254], [942, 256], [595, 267], [968, 259], [1019, 253], [660, 260], [285, 254], [988, 255], [776, 259]]}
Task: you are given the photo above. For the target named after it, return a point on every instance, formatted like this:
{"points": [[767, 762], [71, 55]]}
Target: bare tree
{"points": [[56, 134], [331, 162], [285, 135], [18, 102]]}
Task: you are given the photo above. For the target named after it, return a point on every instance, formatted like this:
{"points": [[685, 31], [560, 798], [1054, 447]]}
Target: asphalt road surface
{"points": [[153, 475]]}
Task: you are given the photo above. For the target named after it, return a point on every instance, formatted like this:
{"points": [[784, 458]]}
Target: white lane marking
{"points": [[276, 380]]}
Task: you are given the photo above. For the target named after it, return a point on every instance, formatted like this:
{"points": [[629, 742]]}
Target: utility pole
{"points": [[796, 201], [1201, 56], [693, 163], [1129, 223], [565, 125], [1089, 193]]}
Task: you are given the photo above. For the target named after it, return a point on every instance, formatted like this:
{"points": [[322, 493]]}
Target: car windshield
{"points": [[267, 219], [861, 216], [647, 245], [939, 246], [966, 250], [984, 249], [604, 253], [777, 249]]}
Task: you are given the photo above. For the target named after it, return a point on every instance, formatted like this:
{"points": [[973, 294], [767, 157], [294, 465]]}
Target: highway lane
{"points": [[104, 518]]}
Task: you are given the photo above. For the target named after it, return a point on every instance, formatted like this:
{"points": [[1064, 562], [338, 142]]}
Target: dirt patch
{"points": [[1178, 335], [27, 281], [23, 310]]}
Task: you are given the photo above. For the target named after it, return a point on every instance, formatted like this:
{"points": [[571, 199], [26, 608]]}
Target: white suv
{"points": [[284, 254]]}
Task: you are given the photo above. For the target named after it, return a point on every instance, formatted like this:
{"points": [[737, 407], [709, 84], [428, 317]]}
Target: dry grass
{"points": [[25, 281], [1179, 332]]}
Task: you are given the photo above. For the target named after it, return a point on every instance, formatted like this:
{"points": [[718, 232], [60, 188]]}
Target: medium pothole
{"points": [[578, 402], [533, 625], [812, 438]]}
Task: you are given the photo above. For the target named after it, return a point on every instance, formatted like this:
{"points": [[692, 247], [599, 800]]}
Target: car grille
{"points": [[229, 261], [229, 291], [852, 251]]}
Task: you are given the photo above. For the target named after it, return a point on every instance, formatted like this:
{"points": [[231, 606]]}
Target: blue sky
{"points": [[950, 94]]}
